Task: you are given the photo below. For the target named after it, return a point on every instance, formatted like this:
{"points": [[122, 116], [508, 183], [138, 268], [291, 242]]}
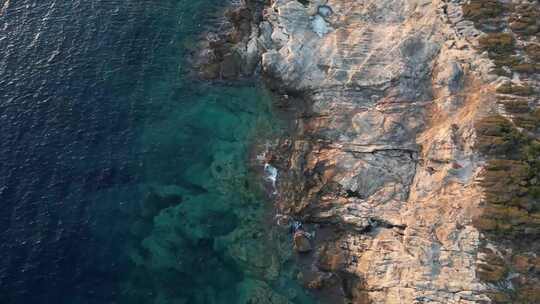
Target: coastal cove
{"points": [[123, 179]]}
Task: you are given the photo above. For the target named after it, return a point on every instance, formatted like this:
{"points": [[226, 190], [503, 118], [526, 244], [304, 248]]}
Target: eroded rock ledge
{"points": [[415, 155]]}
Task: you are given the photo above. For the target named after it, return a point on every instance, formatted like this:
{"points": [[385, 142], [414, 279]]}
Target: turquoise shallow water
{"points": [[121, 180]]}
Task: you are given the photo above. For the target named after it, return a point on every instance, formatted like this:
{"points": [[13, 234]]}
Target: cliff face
{"points": [[387, 151], [393, 150], [415, 157]]}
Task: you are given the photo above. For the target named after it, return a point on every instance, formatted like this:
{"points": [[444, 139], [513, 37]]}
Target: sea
{"points": [[122, 178]]}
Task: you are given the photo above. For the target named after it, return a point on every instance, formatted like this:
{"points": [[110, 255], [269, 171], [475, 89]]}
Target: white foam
{"points": [[271, 175]]}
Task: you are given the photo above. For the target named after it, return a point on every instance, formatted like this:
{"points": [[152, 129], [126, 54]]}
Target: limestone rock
{"points": [[386, 142]]}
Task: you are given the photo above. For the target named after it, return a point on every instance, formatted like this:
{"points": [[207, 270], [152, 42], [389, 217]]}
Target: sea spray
{"points": [[271, 174]]}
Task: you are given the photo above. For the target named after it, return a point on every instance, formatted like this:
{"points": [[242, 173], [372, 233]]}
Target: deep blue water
{"points": [[121, 180]]}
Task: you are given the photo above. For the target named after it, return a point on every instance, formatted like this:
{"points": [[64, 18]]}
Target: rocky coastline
{"points": [[413, 158]]}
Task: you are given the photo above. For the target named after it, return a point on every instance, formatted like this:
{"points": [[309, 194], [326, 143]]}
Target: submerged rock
{"points": [[230, 66], [254, 291], [160, 197], [301, 242]]}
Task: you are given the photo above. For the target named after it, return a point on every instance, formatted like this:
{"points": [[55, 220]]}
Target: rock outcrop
{"points": [[386, 150], [415, 153], [391, 151], [229, 50]]}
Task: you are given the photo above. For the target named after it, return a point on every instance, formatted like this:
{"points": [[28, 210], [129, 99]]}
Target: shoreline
{"points": [[393, 108]]}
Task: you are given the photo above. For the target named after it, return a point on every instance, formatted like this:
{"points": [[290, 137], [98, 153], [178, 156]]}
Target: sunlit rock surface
{"points": [[388, 162]]}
